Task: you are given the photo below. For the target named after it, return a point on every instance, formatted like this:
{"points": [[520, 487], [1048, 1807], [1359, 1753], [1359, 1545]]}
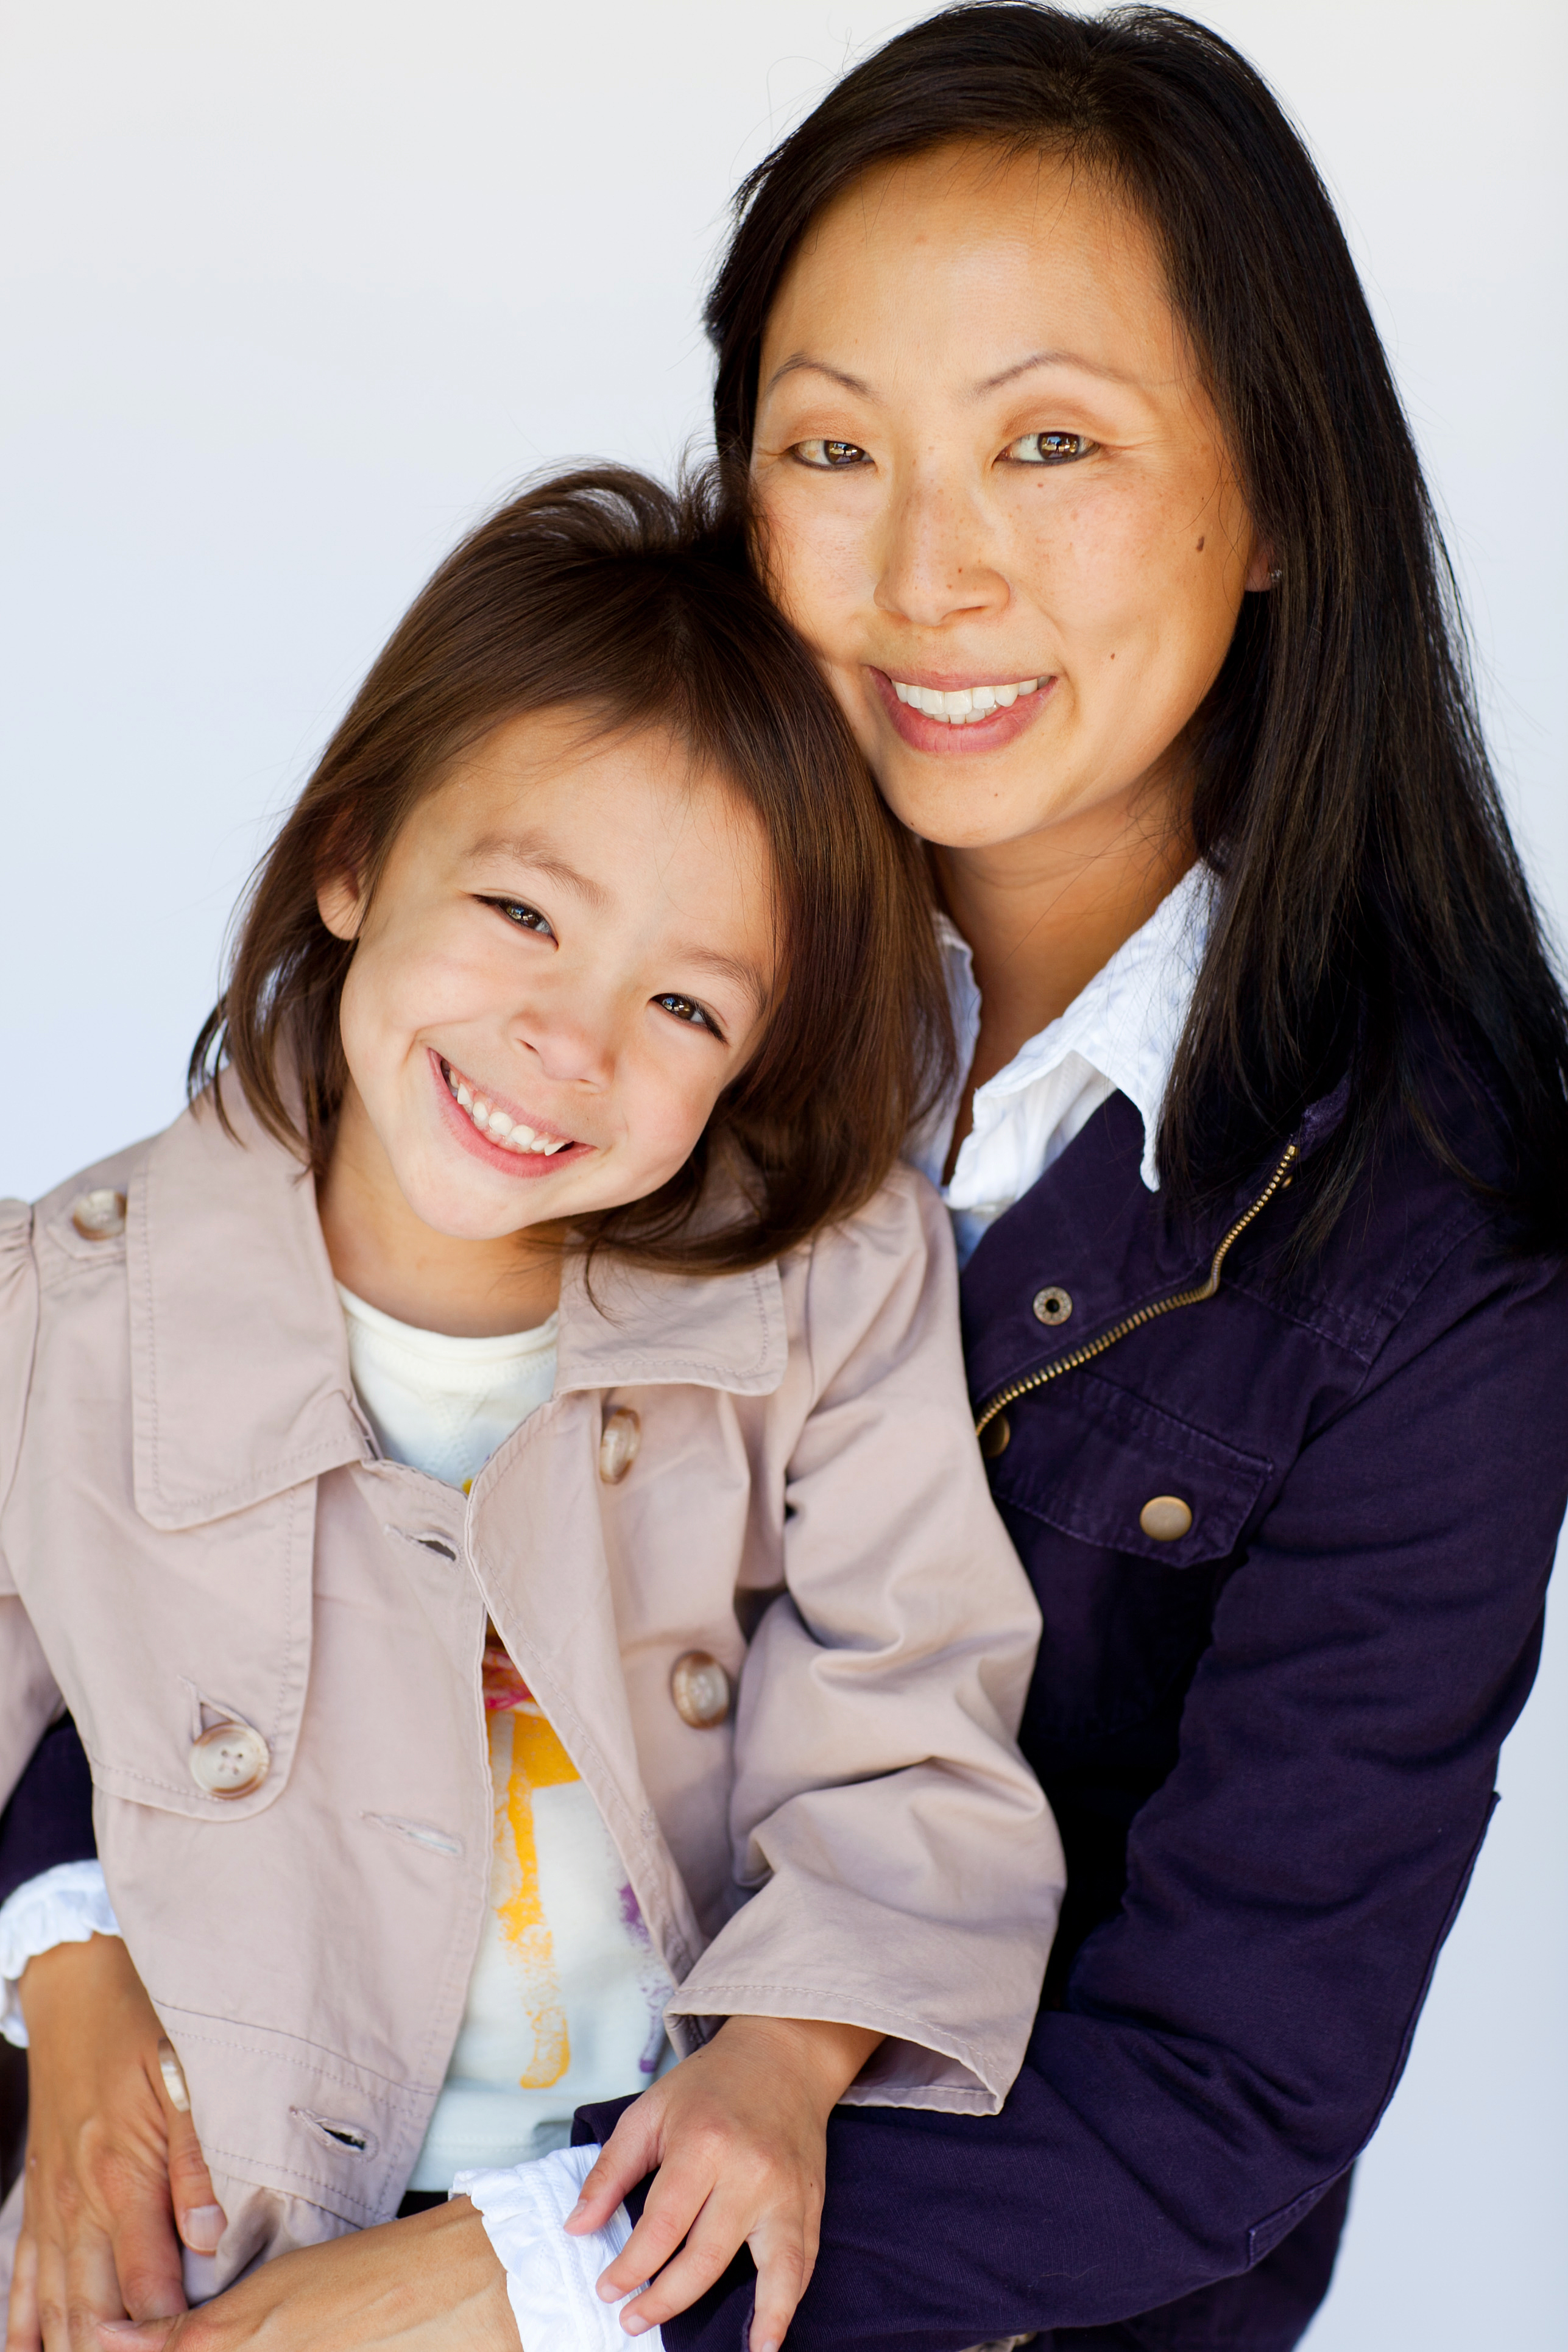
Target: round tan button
{"points": [[229, 1760], [1053, 1305], [1165, 1518], [99, 1216], [995, 1437], [619, 1444], [700, 1689]]}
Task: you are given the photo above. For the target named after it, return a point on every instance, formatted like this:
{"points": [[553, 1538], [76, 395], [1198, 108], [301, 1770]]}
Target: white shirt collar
{"points": [[1119, 1034]]}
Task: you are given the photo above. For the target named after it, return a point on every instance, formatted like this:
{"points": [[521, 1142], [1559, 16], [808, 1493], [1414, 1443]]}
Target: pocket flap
{"points": [[1091, 1459]]}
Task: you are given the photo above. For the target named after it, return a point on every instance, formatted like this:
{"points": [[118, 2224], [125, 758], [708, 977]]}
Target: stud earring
{"points": [[1276, 573]]}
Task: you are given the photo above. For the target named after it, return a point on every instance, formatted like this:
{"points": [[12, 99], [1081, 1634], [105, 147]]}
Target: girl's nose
{"points": [[570, 1049], [936, 563]]}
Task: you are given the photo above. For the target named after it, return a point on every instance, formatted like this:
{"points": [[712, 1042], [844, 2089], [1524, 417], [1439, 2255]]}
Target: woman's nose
{"points": [[936, 563]]}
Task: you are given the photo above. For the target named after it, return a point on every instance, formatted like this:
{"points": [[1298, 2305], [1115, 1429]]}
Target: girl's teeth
{"points": [[511, 1135]]}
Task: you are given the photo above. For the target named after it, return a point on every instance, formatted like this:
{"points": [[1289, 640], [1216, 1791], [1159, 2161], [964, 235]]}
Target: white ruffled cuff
{"points": [[550, 2276], [64, 1905]]}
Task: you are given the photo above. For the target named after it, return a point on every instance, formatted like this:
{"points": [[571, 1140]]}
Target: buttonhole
{"points": [[426, 1542], [352, 2136], [421, 1832]]}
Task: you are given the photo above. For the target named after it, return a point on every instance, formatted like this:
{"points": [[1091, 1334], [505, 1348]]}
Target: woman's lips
{"points": [[508, 1160], [998, 728]]}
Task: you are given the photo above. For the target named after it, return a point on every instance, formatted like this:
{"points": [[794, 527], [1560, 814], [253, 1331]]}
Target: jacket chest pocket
{"points": [[184, 1657], [1125, 1516]]}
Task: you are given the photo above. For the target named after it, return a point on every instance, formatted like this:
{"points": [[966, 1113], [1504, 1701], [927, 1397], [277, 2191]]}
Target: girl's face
{"points": [[988, 473], [567, 956]]}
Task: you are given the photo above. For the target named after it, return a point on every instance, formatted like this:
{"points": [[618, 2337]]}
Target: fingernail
{"points": [[174, 2075], [606, 2293], [201, 2226], [634, 2326]]}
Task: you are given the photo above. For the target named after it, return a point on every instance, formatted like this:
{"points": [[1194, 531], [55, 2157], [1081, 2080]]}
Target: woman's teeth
{"points": [[966, 704], [497, 1126]]}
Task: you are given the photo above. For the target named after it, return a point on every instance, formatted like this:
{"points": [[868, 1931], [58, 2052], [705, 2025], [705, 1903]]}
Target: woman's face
{"points": [[989, 474]]}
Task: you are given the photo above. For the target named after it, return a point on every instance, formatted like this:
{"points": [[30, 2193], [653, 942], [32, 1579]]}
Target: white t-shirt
{"points": [[567, 1999]]}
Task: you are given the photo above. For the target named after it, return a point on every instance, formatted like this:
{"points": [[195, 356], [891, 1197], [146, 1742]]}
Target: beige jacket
{"points": [[196, 1528]]}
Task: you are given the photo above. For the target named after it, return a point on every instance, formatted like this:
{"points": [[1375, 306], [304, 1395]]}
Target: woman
{"points": [[1059, 401]]}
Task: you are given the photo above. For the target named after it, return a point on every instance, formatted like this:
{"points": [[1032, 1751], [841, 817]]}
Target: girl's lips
{"points": [[529, 1165], [989, 734]]}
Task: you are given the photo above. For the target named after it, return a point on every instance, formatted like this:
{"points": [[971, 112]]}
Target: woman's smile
{"points": [[934, 711]]}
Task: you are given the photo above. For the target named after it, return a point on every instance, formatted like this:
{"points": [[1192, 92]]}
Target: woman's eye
{"points": [[527, 918], [684, 1008], [1048, 448], [828, 456]]}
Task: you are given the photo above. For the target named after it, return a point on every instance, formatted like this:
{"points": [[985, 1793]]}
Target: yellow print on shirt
{"points": [[538, 1761]]}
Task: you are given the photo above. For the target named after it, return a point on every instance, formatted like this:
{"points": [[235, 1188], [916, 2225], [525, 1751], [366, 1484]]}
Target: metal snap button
{"points": [[700, 1689], [1052, 1305], [1165, 1518], [99, 1216], [995, 1437], [619, 1444], [229, 1760]]}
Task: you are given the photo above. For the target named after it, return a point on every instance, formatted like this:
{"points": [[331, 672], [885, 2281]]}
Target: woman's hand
{"points": [[432, 2284], [738, 2131], [113, 2162]]}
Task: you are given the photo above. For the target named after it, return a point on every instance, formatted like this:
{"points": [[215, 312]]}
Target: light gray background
{"points": [[293, 288]]}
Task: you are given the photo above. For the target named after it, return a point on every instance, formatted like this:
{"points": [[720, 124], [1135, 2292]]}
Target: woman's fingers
{"points": [[22, 2332], [199, 2216]]}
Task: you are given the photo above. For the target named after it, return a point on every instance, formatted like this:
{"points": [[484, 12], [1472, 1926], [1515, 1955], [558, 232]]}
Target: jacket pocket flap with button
{"points": [[185, 1658], [1115, 1471]]}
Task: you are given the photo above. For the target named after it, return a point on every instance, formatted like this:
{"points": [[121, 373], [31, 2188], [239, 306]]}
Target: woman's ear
{"points": [[1262, 572], [340, 905]]}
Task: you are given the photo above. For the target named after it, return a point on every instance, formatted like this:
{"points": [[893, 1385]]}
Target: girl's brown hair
{"points": [[602, 590]]}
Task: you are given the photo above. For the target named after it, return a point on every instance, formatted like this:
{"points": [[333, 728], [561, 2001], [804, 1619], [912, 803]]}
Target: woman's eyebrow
{"points": [[526, 849], [1051, 359], [801, 362]]}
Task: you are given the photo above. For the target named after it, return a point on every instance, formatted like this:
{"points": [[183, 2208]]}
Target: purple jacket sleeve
{"points": [[50, 1816], [1229, 2038]]}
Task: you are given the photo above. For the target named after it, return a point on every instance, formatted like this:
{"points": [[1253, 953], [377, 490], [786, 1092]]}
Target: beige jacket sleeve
{"points": [[917, 1889], [29, 1698]]}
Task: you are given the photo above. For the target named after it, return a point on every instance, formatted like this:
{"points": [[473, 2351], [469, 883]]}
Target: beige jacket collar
{"points": [[239, 1354]]}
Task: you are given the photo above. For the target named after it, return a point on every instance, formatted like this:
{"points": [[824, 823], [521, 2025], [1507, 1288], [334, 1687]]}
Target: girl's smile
{"points": [[489, 1124]]}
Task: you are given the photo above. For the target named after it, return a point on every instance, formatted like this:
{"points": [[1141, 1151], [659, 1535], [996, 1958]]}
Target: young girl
{"points": [[492, 1483]]}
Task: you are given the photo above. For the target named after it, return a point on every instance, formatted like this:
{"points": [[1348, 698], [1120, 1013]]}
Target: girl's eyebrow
{"points": [[528, 849], [736, 968]]}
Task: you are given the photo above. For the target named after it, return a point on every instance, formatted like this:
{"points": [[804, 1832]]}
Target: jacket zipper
{"points": [[1188, 1297]]}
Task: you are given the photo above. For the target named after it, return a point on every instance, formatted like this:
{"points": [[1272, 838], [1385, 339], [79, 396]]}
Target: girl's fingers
{"points": [[715, 2239], [784, 2263], [630, 2153], [677, 2199], [91, 2292]]}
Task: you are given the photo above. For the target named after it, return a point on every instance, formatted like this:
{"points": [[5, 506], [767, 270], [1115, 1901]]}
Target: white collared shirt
{"points": [[1119, 1035]]}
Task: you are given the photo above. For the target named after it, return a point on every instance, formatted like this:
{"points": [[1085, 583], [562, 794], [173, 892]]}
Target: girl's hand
{"points": [[738, 2131], [113, 2163], [432, 2284]]}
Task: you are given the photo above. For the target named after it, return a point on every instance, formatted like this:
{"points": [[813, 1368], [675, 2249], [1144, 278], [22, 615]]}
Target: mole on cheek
{"points": [[1200, 547]]}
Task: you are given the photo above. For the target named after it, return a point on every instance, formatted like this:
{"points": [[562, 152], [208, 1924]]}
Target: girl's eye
{"points": [[828, 456], [527, 918], [1048, 448], [684, 1008]]}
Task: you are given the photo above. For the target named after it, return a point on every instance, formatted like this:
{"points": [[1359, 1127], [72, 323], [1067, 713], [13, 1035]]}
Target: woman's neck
{"points": [[1042, 916], [438, 1282]]}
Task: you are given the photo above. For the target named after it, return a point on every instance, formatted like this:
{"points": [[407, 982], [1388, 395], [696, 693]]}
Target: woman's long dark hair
{"points": [[1371, 900]]}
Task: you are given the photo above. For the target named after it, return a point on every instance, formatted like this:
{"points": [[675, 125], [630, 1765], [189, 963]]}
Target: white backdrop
{"points": [[293, 288]]}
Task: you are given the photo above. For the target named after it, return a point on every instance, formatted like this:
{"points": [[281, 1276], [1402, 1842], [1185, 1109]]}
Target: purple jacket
{"points": [[1270, 1741]]}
